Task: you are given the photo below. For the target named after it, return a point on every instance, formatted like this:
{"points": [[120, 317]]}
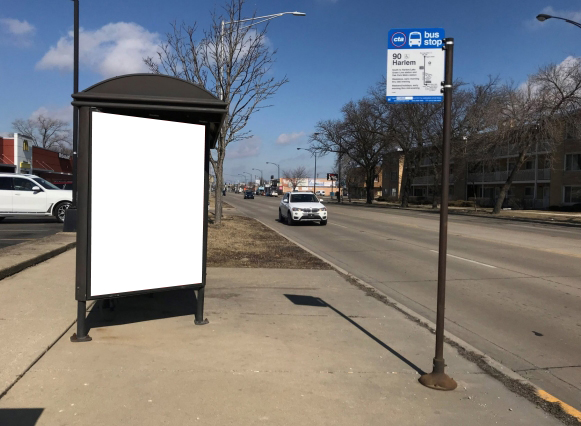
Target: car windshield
{"points": [[44, 183], [303, 198], [248, 192]]}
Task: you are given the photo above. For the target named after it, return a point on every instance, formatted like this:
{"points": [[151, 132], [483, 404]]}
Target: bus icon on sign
{"points": [[415, 39]]}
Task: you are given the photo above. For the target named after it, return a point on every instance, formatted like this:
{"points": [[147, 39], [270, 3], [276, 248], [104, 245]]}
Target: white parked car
{"points": [[298, 207], [32, 195]]}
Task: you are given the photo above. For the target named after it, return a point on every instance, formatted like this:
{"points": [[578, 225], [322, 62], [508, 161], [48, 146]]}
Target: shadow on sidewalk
{"points": [[320, 303], [145, 307], [20, 416]]}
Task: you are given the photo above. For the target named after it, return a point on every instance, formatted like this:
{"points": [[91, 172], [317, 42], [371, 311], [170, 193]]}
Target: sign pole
{"points": [[438, 379]]}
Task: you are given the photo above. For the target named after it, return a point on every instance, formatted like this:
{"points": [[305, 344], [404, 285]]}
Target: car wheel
{"points": [[2, 218], [289, 219], [323, 222], [280, 218], [60, 211]]}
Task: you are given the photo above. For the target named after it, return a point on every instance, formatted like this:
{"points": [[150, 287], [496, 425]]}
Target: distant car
{"points": [[274, 194], [32, 195], [248, 194], [320, 193], [298, 207]]}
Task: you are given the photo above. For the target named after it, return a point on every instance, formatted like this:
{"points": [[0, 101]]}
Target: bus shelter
{"points": [[142, 182]]}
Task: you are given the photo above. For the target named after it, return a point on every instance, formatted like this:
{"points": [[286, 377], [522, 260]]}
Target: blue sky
{"points": [[331, 56]]}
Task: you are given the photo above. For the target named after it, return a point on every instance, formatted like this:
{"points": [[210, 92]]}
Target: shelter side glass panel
{"points": [[146, 229]]}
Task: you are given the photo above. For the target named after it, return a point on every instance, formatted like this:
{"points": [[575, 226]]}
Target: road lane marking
{"points": [[336, 224], [468, 260]]}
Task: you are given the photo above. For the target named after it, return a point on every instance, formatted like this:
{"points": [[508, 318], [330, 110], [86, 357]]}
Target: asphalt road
{"points": [[513, 288], [19, 230]]}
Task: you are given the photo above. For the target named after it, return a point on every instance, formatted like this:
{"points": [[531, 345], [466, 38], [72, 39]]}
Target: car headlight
{"points": [[323, 209], [296, 209]]}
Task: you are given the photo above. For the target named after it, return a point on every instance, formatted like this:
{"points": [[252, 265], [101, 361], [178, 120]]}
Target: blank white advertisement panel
{"points": [[147, 204]]}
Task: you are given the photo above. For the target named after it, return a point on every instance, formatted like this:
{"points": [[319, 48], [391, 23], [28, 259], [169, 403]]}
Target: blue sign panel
{"points": [[415, 65], [416, 38]]}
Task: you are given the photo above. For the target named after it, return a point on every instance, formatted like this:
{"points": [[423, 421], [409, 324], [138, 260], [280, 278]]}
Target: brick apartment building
{"points": [[550, 176]]}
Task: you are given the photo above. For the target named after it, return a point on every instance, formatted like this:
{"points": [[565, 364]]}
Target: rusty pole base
{"points": [[80, 339], [438, 381]]}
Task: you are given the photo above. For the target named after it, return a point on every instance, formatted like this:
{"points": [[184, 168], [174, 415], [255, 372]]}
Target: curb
{"points": [[512, 380], [35, 259]]}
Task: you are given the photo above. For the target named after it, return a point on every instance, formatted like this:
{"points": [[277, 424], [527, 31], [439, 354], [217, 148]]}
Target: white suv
{"points": [[32, 195], [301, 207]]}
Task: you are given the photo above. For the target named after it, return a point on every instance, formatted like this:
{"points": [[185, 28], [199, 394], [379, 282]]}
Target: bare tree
{"points": [[233, 62], [295, 175], [45, 132], [533, 115], [360, 135]]}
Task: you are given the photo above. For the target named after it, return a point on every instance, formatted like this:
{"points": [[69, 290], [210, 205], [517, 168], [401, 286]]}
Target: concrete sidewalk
{"points": [[283, 347]]}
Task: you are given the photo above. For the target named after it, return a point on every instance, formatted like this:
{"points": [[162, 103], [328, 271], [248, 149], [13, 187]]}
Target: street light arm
{"points": [[543, 17], [264, 18], [577, 24]]}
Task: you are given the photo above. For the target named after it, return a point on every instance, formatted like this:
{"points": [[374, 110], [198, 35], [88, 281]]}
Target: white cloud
{"points": [[16, 27], [16, 32], [115, 49], [60, 113], [288, 138], [246, 148]]}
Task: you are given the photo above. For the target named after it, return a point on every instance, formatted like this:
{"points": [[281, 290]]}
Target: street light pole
{"points": [[260, 20], [278, 167], [70, 224], [261, 181], [315, 181], [543, 17], [249, 174]]}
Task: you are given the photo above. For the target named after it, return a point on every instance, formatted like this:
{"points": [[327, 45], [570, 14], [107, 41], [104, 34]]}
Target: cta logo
{"points": [[398, 39]]}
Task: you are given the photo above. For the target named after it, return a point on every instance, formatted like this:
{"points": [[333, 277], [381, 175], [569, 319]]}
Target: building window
{"points": [[393, 176], [572, 194], [529, 191], [25, 145], [573, 162]]}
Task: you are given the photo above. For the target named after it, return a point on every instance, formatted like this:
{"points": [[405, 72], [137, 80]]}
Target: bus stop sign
{"points": [[415, 65]]}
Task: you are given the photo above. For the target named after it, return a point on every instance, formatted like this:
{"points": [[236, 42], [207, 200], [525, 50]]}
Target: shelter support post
{"points": [[81, 335], [200, 308]]}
